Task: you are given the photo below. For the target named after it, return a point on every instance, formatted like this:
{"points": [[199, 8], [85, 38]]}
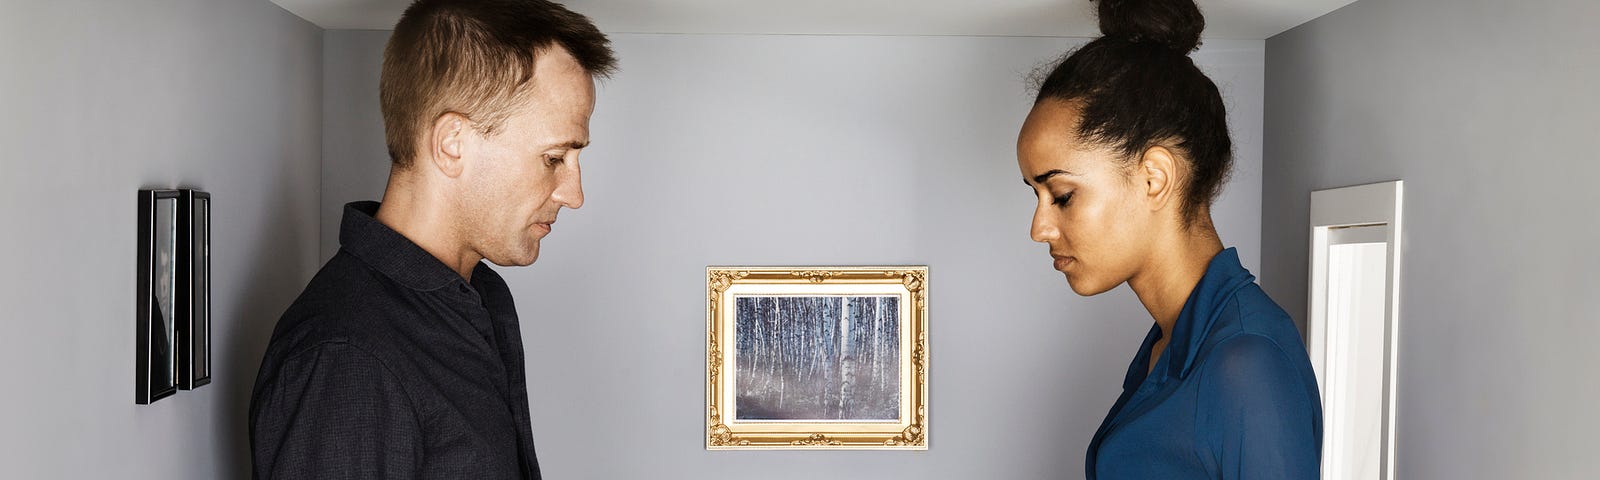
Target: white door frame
{"points": [[1371, 205]]}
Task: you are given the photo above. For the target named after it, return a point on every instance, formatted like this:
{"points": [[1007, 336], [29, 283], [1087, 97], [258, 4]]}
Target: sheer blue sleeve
{"points": [[1258, 415]]}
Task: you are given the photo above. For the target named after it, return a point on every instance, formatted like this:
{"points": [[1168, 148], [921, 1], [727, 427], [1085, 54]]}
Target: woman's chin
{"points": [[1085, 287]]}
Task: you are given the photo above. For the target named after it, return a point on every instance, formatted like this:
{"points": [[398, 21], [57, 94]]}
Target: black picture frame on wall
{"points": [[156, 316], [194, 290]]}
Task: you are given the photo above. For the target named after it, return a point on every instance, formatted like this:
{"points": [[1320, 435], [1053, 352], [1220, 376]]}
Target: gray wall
{"points": [[1488, 111], [102, 98], [806, 150]]}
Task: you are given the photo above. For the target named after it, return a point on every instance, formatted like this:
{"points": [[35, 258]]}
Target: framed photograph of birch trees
{"points": [[816, 358]]}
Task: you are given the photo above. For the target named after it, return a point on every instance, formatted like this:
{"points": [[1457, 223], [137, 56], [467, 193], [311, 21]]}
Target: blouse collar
{"points": [[1224, 277]]}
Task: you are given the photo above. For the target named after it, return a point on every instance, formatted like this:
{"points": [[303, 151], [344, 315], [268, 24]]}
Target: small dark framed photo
{"points": [[194, 290], [157, 295]]}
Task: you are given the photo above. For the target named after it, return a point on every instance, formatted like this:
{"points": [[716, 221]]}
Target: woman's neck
{"points": [[1176, 264]]}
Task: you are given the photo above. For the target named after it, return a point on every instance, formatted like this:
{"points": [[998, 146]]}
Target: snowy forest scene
{"points": [[818, 357]]}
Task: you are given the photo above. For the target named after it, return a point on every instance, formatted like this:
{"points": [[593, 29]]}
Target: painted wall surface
{"points": [[101, 99], [812, 150], [1487, 110]]}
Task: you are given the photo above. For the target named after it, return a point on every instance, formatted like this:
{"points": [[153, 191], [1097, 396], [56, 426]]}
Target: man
{"points": [[403, 357]]}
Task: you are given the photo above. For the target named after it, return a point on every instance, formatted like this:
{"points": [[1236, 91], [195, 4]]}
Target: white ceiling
{"points": [[1231, 19]]}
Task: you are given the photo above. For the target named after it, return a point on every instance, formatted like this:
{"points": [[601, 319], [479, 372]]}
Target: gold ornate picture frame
{"points": [[817, 358]]}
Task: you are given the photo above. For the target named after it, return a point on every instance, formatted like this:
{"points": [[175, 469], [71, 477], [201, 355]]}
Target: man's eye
{"points": [[554, 160], [1061, 201]]}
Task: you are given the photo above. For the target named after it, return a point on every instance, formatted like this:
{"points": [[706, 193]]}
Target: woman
{"points": [[1126, 147]]}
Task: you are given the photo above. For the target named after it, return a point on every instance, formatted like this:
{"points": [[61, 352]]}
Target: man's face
{"points": [[517, 179]]}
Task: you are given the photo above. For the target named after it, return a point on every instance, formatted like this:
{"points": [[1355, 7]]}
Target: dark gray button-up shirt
{"points": [[391, 366]]}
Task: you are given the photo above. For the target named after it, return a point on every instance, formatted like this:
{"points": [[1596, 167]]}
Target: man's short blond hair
{"points": [[475, 58]]}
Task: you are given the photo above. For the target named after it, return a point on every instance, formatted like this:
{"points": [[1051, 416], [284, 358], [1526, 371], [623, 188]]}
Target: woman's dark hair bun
{"points": [[1136, 87], [1175, 24]]}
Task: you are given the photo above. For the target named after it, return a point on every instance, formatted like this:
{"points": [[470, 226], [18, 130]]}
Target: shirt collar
{"points": [[1224, 277], [391, 253]]}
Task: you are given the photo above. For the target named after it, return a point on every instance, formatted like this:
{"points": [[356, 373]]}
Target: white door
{"points": [[1352, 331]]}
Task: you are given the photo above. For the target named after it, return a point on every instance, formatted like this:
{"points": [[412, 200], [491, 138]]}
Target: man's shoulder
{"points": [[346, 302]]}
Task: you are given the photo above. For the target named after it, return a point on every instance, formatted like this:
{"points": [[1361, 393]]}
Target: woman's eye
{"points": [[1061, 201]]}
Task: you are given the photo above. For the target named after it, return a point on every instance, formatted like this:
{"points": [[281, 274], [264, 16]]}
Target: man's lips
{"points": [[544, 226]]}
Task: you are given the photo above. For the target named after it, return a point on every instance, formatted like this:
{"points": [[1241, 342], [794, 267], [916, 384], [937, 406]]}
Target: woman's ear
{"points": [[1159, 176], [445, 143]]}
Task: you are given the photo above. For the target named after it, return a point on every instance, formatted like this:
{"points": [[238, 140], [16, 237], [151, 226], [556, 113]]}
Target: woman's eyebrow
{"points": [[1046, 176]]}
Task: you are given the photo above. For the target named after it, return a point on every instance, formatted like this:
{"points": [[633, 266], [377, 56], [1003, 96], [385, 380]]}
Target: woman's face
{"points": [[1092, 209]]}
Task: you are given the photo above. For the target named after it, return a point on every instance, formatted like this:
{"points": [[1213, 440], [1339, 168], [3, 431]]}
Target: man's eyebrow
{"points": [[1046, 176], [572, 145]]}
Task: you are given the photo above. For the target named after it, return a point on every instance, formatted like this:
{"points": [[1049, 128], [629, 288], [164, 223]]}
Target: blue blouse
{"points": [[1232, 397]]}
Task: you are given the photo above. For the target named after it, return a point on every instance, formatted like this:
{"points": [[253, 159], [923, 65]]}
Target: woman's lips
{"points": [[1063, 262]]}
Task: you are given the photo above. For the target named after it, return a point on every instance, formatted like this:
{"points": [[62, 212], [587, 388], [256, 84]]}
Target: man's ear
{"points": [[446, 141], [1159, 176]]}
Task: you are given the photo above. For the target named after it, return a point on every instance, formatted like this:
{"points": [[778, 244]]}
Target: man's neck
{"points": [[423, 217]]}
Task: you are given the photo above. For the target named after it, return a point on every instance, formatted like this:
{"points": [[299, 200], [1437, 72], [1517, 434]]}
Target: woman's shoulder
{"points": [[1245, 355], [1257, 409], [1251, 313], [1252, 374], [1254, 347]]}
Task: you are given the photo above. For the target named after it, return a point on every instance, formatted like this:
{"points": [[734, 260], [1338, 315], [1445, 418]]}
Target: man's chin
{"points": [[517, 259]]}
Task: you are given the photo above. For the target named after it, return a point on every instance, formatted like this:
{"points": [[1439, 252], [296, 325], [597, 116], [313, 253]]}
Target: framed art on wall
{"points": [[156, 296], [194, 290], [816, 358]]}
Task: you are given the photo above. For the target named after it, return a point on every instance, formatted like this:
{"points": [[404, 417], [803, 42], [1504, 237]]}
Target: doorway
{"points": [[1352, 330]]}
